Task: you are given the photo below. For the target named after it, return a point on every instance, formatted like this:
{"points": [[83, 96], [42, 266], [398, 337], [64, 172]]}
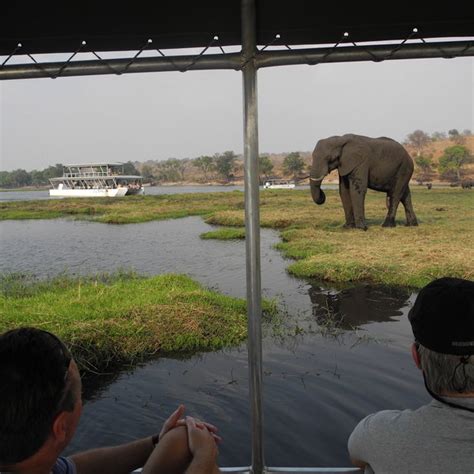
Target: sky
{"points": [[156, 116]]}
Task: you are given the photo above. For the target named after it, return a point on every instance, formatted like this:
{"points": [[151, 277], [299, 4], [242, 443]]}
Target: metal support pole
{"points": [[252, 231]]}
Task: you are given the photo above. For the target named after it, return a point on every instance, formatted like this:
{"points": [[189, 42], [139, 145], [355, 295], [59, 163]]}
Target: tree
{"points": [[265, 165], [456, 137], [37, 178], [424, 166], [20, 178], [225, 164], [467, 132], [53, 171], [418, 139], [453, 159], [147, 173], [205, 164], [5, 179], [182, 166], [129, 168], [293, 164], [436, 136], [168, 170]]}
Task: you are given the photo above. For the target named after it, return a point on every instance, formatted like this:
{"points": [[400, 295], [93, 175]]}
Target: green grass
{"points": [[124, 318], [312, 235], [442, 245], [226, 233]]}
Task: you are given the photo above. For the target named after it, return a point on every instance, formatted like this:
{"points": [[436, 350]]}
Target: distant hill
{"points": [[435, 150]]}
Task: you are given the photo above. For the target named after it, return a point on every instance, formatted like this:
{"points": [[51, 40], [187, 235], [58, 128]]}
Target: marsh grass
{"points": [[125, 318], [312, 235], [226, 233]]}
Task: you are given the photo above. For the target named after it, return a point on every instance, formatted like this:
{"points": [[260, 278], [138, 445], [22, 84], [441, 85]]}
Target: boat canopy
{"points": [[48, 27], [93, 165]]}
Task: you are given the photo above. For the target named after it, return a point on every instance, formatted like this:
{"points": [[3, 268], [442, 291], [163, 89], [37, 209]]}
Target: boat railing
{"points": [[92, 174]]}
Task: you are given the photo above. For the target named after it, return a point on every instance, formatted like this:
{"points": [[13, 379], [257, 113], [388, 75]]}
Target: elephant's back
{"points": [[393, 147], [389, 156]]}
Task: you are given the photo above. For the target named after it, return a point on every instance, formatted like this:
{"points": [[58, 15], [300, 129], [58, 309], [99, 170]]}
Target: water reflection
{"points": [[351, 308]]}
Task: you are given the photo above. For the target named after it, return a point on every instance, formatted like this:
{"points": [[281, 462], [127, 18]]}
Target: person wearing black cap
{"points": [[438, 437]]}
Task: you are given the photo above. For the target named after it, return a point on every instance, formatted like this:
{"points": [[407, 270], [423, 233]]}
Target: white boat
{"points": [[279, 184], [95, 180]]}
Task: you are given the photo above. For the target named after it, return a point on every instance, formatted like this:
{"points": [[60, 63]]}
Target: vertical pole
{"points": [[252, 229]]}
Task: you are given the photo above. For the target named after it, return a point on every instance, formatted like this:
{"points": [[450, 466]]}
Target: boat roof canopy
{"points": [[47, 27]]}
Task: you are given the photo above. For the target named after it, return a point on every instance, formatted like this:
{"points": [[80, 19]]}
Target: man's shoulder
{"points": [[388, 423], [386, 416]]}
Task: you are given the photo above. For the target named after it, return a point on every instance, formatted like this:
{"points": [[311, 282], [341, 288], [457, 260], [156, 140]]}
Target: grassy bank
{"points": [[124, 318], [313, 235], [226, 233]]}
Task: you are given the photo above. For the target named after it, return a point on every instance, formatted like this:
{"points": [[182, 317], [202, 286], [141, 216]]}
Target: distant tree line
{"points": [[221, 167], [19, 178], [226, 167]]}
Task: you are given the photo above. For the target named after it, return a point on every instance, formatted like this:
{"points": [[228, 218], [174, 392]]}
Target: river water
{"points": [[316, 386]]}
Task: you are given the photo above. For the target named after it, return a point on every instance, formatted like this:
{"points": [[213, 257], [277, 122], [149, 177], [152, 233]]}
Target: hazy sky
{"points": [[163, 115]]}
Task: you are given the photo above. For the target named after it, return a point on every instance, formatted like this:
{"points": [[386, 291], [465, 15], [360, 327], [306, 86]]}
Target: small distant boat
{"points": [[95, 180], [279, 184]]}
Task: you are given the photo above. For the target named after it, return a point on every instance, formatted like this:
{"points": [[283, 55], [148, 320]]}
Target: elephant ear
{"points": [[352, 156]]}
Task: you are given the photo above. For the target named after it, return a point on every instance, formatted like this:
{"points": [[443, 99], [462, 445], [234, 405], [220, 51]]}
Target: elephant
{"points": [[381, 164]]}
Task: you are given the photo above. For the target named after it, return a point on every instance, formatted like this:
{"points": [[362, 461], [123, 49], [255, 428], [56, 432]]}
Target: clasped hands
{"points": [[202, 436]]}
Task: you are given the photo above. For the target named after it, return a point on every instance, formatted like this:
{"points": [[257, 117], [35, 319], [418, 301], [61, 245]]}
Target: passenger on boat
{"points": [[40, 407], [439, 436]]}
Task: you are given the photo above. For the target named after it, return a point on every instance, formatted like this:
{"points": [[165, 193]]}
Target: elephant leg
{"points": [[357, 191], [394, 197], [346, 201], [399, 191], [409, 212], [393, 202]]}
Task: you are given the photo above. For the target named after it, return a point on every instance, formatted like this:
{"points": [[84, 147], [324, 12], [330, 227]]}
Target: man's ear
{"points": [[60, 427], [415, 355]]}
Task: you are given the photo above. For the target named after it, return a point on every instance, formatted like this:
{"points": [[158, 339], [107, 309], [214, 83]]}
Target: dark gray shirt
{"points": [[435, 438]]}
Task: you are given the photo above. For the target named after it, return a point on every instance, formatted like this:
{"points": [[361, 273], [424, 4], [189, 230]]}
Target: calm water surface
{"points": [[316, 387]]}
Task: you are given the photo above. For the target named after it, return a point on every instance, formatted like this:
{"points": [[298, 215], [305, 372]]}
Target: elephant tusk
{"points": [[316, 179]]}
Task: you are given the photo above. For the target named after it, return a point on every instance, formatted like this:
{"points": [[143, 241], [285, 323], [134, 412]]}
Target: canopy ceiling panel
{"points": [[42, 27]]}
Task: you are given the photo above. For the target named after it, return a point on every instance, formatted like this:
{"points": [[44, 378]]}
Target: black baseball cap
{"points": [[442, 318]]}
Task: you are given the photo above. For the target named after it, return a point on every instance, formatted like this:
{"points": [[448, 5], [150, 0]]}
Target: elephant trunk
{"points": [[316, 192]]}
